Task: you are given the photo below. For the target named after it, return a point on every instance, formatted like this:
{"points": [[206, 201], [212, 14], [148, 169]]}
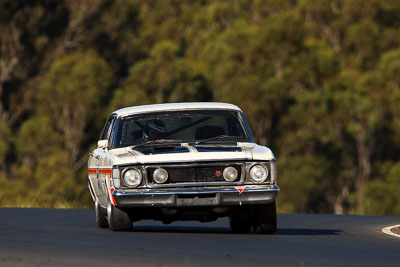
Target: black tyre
{"points": [[240, 224], [118, 220], [101, 215], [265, 218]]}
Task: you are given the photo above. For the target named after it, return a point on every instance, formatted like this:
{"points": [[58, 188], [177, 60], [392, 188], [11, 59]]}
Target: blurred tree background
{"points": [[318, 80]]}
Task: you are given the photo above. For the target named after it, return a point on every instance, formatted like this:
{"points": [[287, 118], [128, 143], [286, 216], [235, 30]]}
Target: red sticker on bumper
{"points": [[240, 188]]}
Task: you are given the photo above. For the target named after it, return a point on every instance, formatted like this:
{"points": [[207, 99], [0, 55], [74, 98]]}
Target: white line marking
{"points": [[387, 230]]}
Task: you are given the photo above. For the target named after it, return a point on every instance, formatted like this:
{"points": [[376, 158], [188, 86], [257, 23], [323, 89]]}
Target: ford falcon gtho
{"points": [[182, 161]]}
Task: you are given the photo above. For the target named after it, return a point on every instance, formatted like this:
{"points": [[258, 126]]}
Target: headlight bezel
{"points": [[124, 172], [264, 166], [225, 174], [160, 170]]}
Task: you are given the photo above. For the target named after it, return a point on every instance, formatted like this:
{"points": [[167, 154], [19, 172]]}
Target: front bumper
{"points": [[195, 197]]}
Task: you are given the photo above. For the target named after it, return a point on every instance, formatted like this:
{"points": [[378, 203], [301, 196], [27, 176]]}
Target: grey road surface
{"points": [[51, 237]]}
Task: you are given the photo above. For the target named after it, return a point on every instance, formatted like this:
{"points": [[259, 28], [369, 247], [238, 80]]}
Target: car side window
{"points": [[107, 128]]}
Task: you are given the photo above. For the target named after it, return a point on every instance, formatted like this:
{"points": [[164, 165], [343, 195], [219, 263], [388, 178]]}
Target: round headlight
{"points": [[258, 173], [132, 177], [160, 175], [230, 174]]}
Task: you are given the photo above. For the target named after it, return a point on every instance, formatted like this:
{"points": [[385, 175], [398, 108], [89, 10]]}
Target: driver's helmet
{"points": [[156, 125]]}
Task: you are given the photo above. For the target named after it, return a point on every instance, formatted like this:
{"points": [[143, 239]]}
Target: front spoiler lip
{"points": [[187, 197]]}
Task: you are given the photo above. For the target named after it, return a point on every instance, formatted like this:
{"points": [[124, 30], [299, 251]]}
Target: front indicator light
{"points": [[132, 177], [116, 177], [258, 173], [274, 172]]}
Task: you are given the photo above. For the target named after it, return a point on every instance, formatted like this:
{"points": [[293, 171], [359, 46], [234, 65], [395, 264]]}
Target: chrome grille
{"points": [[194, 174]]}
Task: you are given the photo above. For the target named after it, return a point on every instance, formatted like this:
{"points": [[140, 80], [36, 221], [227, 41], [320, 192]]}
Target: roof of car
{"points": [[174, 106]]}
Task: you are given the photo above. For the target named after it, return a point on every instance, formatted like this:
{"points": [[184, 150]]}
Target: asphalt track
{"points": [[51, 237]]}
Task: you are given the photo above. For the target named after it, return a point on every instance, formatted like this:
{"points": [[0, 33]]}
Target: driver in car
{"points": [[154, 129]]}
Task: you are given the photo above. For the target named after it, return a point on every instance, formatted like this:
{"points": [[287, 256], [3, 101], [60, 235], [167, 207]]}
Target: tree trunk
{"points": [[339, 200], [364, 152]]}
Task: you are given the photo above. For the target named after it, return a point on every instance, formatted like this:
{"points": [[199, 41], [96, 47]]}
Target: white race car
{"points": [[182, 161]]}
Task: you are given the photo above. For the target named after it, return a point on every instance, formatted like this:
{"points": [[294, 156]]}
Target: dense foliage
{"points": [[318, 80]]}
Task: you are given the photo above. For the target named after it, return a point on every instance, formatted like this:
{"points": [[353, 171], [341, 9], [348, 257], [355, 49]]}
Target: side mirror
{"points": [[102, 144]]}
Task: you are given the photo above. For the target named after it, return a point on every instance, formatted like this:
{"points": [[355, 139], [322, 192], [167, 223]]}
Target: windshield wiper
{"points": [[157, 141], [222, 136]]}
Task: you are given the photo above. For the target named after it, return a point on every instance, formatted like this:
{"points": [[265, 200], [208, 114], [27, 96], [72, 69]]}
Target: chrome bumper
{"points": [[191, 197]]}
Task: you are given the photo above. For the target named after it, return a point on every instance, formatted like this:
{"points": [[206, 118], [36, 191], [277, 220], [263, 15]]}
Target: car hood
{"points": [[188, 153]]}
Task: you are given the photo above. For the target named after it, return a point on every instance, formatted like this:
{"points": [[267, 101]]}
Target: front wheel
{"points": [[118, 220], [265, 218]]}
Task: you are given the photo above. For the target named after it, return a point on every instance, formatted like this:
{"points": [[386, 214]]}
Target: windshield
{"points": [[209, 126]]}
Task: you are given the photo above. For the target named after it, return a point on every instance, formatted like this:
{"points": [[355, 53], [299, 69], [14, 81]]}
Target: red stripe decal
{"points": [[105, 171], [92, 171], [112, 196]]}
